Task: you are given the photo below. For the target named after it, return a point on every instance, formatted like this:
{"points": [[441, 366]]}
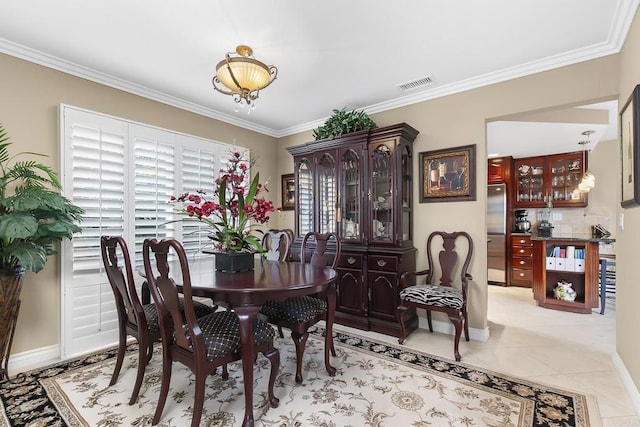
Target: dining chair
{"points": [[134, 318], [201, 344], [440, 295], [300, 313], [277, 244]]}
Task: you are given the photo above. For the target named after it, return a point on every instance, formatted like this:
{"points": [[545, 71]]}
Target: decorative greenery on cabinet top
{"points": [[342, 122]]}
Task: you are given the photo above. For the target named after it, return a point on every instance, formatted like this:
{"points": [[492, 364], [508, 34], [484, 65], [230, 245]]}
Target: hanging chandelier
{"points": [[243, 77]]}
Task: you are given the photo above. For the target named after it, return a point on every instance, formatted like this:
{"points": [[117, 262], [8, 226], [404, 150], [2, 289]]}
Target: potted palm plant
{"points": [[34, 216]]}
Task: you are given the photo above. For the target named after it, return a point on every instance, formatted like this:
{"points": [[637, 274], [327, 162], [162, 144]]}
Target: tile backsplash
{"points": [[576, 222]]}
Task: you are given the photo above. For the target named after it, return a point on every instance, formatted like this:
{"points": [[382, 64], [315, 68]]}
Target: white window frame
{"points": [[106, 333]]}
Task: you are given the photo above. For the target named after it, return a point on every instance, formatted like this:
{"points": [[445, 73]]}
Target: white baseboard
{"points": [[629, 385], [447, 328], [33, 359]]}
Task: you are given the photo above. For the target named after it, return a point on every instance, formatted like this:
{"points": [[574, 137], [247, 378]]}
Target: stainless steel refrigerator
{"points": [[496, 233]]}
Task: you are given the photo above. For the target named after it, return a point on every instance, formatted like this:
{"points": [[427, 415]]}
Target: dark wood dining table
{"points": [[246, 292]]}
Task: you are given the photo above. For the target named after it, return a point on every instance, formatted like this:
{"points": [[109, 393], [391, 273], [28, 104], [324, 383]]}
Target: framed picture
{"points": [[630, 152], [448, 175], [288, 192]]}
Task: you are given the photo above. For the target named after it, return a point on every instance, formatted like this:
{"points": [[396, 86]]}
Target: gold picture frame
{"points": [[288, 192], [448, 175]]}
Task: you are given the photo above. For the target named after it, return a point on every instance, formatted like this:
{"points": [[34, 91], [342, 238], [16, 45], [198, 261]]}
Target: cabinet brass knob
{"points": [[521, 241], [521, 274], [521, 251], [351, 260], [521, 262], [382, 263]]}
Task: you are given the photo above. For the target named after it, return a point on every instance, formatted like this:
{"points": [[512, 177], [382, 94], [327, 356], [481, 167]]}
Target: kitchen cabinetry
{"points": [[360, 186], [574, 261], [554, 178], [498, 170], [521, 260]]}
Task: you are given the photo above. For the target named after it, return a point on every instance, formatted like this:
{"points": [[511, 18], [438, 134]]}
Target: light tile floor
{"points": [[567, 350]]}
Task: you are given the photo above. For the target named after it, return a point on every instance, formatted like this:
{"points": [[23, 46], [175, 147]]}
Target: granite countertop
{"points": [[576, 238], [520, 233]]}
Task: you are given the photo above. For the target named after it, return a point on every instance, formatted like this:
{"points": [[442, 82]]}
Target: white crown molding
{"points": [[621, 23], [49, 61]]}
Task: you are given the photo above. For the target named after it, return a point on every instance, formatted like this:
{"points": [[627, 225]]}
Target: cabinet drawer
{"points": [[350, 261], [382, 263], [524, 263], [523, 251], [521, 241], [520, 274]]}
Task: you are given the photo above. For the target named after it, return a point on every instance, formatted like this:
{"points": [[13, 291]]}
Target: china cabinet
{"points": [[554, 178], [360, 187]]}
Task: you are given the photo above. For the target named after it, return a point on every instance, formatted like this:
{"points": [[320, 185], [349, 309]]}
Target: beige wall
{"points": [[29, 112], [627, 288], [460, 119]]}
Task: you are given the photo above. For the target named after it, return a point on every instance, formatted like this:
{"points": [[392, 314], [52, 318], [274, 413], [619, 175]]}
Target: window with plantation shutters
{"points": [[123, 175]]}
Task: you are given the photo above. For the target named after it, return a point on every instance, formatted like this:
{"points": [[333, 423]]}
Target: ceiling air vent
{"points": [[416, 84]]}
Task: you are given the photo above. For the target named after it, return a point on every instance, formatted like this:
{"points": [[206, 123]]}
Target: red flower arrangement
{"points": [[235, 206]]}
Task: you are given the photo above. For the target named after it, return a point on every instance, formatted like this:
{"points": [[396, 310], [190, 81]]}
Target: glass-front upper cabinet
{"points": [[304, 197], [382, 218], [391, 186], [566, 173], [358, 185], [327, 193], [550, 179], [350, 198], [530, 182]]}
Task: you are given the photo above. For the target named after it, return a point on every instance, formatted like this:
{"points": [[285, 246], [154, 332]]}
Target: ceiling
{"points": [[330, 54]]}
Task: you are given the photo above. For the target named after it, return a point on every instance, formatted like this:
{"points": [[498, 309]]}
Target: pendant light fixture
{"points": [[243, 77], [588, 180]]}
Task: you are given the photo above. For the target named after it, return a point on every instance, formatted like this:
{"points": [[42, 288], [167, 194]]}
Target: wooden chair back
{"points": [[166, 296], [321, 254], [128, 305], [455, 246]]}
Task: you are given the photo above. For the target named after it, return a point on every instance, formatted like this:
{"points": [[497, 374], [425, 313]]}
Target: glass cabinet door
{"points": [[350, 196], [405, 162], [566, 173], [328, 194], [304, 197], [382, 218], [530, 184]]}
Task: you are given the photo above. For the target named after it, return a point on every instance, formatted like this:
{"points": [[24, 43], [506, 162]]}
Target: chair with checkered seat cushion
{"points": [[202, 344], [134, 318], [300, 313], [440, 295]]}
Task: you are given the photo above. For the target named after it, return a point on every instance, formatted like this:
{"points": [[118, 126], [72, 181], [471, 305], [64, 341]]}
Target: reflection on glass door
{"points": [[350, 196], [381, 194], [305, 198], [327, 193]]}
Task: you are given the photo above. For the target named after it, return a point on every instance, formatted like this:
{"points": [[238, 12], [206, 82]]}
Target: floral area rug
{"points": [[377, 384]]}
